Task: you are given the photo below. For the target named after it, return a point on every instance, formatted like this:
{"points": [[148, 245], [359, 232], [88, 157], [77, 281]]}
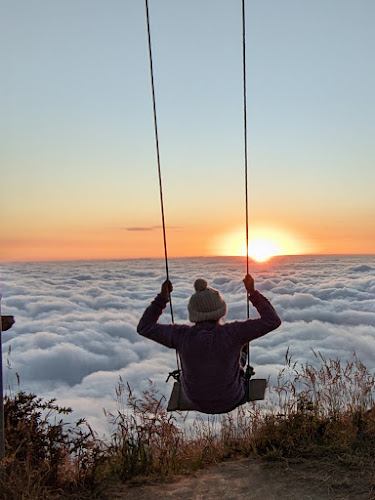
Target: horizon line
{"points": [[120, 259]]}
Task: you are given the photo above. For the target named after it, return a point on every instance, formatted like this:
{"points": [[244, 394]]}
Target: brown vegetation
{"points": [[313, 413]]}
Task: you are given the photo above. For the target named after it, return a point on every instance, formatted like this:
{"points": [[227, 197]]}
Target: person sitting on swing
{"points": [[213, 354]]}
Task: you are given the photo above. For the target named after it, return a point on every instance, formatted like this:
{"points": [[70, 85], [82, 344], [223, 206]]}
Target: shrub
{"points": [[43, 455]]}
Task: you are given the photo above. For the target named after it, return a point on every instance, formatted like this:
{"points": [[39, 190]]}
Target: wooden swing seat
{"points": [[179, 402]]}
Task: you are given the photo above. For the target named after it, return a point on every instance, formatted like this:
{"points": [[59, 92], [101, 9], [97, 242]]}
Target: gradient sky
{"points": [[79, 175]]}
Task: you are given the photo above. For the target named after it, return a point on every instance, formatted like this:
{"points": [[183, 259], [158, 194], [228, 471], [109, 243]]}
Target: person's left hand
{"points": [[166, 289]]}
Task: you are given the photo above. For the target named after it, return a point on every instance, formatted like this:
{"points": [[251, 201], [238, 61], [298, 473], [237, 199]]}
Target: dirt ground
{"points": [[257, 480]]}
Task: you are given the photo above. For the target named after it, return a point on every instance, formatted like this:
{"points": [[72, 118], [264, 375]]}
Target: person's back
{"points": [[212, 376], [209, 355]]}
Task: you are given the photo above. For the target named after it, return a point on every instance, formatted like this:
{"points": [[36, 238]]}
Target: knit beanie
{"points": [[206, 304]]}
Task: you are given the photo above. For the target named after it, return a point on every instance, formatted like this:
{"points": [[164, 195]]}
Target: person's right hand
{"points": [[249, 283]]}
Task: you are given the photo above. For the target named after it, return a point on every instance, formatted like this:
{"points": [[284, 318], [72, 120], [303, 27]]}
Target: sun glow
{"points": [[263, 244], [262, 248]]}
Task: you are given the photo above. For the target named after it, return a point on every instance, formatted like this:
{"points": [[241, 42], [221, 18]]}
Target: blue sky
{"points": [[77, 130]]}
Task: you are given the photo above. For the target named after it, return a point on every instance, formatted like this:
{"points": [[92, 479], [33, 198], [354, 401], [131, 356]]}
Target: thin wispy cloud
{"points": [[151, 228], [142, 228]]}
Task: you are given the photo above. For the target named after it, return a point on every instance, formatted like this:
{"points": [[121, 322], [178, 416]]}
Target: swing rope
{"points": [[245, 142], [175, 373], [157, 150], [249, 369]]}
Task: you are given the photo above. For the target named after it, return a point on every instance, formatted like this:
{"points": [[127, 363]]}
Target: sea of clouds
{"points": [[75, 331]]}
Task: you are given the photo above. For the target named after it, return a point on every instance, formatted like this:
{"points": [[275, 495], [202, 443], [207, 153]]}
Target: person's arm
{"points": [[268, 320], [148, 325]]}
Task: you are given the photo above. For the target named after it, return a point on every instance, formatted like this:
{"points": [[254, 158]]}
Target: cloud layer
{"points": [[75, 330]]}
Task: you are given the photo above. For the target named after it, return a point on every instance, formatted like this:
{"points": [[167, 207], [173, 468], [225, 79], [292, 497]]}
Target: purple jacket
{"points": [[210, 351]]}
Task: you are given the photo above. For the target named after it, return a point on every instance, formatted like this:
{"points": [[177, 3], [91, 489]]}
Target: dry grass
{"points": [[315, 412], [319, 410]]}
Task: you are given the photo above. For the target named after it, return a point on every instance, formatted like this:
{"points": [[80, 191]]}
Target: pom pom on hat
{"points": [[206, 304], [200, 285]]}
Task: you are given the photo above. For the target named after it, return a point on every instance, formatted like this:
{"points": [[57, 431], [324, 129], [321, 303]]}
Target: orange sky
{"points": [[119, 223], [199, 240]]}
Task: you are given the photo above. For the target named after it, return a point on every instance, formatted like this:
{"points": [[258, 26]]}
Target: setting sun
{"points": [[261, 249], [264, 243]]}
